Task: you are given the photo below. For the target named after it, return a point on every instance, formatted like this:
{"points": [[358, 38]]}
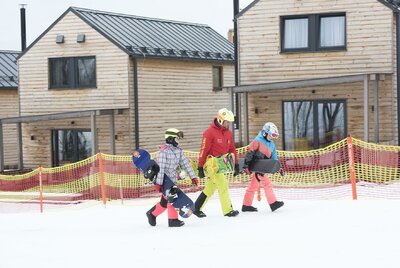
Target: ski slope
{"points": [[323, 233]]}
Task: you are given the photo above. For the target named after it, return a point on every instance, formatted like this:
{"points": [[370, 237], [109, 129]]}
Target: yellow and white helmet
{"points": [[225, 115], [173, 133]]}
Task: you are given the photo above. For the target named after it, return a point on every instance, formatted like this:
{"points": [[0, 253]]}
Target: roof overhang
{"points": [[57, 116], [301, 83]]}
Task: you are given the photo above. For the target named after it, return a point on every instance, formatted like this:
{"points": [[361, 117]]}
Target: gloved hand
{"points": [[195, 181], [246, 171], [158, 188], [201, 172], [282, 172], [236, 170], [172, 194]]}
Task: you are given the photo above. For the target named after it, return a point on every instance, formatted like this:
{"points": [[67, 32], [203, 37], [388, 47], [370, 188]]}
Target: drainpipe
{"points": [[23, 27], [136, 101], [398, 73], [235, 45]]}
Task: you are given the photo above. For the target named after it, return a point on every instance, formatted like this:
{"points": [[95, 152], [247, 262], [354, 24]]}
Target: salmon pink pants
{"points": [[253, 187]]}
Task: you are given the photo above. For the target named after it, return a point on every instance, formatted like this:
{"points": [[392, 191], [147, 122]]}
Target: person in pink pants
{"points": [[262, 147]]}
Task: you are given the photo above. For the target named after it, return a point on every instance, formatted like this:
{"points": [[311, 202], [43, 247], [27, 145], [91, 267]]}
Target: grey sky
{"points": [[40, 14]]}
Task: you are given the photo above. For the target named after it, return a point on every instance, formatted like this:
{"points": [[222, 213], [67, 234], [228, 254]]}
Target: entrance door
{"points": [[70, 145], [313, 124]]}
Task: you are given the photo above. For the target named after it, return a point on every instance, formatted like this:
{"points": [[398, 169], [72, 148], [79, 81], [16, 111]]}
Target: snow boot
{"points": [[199, 213], [151, 217], [232, 213], [277, 204], [249, 209], [175, 223]]}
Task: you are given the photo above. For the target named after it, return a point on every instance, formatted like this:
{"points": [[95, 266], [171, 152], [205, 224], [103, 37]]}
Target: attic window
{"points": [[60, 39], [207, 54], [218, 55], [144, 49], [80, 38], [228, 55], [196, 54], [183, 52], [12, 78], [157, 50], [129, 48], [171, 52]]}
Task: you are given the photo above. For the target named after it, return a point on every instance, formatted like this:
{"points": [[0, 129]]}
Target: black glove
{"points": [[201, 172], [172, 194], [236, 170]]}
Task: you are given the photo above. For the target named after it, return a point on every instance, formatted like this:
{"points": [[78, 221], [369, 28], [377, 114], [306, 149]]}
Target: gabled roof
{"points": [[156, 38], [392, 4], [8, 69]]}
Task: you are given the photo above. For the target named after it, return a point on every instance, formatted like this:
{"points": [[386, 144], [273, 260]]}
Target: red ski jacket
{"points": [[217, 141]]}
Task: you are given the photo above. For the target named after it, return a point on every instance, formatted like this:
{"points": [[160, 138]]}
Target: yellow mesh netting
{"points": [[325, 168]]}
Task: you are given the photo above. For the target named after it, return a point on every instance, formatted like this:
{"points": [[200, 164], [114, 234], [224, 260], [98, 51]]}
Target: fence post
{"points": [[101, 171], [40, 190], [350, 149]]}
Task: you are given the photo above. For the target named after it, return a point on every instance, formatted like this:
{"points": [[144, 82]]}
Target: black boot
{"points": [[151, 217], [199, 213], [277, 204], [249, 209], [232, 213], [175, 223], [198, 204]]}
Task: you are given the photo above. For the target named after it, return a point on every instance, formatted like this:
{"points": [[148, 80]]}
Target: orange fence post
{"points": [[350, 149], [103, 187], [40, 190]]}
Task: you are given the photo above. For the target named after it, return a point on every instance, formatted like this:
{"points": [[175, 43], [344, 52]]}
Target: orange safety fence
{"points": [[347, 169]]}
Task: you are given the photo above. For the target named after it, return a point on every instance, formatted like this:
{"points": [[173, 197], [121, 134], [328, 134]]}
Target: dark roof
{"points": [[246, 8], [155, 38], [392, 4], [8, 69]]}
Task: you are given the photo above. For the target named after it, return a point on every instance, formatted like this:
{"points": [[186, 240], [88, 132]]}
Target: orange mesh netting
{"points": [[323, 173]]}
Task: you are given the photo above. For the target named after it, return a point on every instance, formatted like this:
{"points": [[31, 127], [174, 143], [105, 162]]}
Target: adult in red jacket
{"points": [[218, 153]]}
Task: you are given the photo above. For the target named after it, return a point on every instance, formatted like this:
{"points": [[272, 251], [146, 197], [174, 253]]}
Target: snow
{"points": [[304, 233]]}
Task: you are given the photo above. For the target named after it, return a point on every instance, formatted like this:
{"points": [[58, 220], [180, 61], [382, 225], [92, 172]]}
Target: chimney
{"points": [[23, 27], [230, 35]]}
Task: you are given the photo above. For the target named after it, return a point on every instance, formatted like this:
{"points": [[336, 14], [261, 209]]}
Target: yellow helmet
{"points": [[173, 133], [225, 115]]}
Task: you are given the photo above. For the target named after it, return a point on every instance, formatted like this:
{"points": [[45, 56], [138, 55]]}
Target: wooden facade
{"points": [[370, 49], [171, 93], [9, 108]]}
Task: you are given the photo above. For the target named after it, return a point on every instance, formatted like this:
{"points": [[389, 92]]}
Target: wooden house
{"points": [[100, 81], [8, 106], [320, 70]]}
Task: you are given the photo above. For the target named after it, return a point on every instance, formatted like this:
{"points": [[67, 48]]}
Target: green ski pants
{"points": [[218, 181]]}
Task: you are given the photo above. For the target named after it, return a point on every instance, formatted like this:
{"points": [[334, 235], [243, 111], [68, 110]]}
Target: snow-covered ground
{"points": [[312, 233]]}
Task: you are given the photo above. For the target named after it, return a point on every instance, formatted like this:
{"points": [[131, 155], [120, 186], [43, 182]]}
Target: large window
{"points": [[77, 72], [70, 146], [313, 124], [217, 78], [316, 32]]}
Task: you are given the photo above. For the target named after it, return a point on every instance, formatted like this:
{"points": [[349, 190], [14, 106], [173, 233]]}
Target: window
{"points": [[316, 32], [217, 78], [77, 72], [313, 124], [70, 146]]}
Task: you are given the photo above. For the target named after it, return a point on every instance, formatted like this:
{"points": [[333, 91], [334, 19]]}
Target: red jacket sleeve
{"points": [[206, 144]]}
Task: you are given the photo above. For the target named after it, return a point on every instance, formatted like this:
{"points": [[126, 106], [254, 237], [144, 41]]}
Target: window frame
{"points": [[315, 112], [75, 75], [314, 26], [221, 77], [54, 144]]}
